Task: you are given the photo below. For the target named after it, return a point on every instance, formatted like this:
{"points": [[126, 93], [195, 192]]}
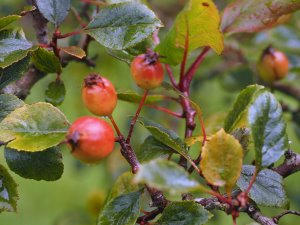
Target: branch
{"points": [[21, 88], [254, 212], [287, 89], [290, 165], [278, 217]]}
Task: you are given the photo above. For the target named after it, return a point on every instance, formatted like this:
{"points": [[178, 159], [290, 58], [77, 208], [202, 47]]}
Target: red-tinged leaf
{"points": [[255, 15]]}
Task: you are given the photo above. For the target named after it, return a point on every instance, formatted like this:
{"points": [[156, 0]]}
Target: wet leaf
{"points": [[8, 191], [184, 213], [267, 190], [121, 26], [34, 127], [55, 93], [46, 165], [268, 129]]}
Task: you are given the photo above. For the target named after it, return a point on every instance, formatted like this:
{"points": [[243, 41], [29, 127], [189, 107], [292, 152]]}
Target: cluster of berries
{"points": [[92, 138]]}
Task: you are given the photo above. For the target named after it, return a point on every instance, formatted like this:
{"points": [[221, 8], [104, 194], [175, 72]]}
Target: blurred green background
{"points": [[74, 199]]}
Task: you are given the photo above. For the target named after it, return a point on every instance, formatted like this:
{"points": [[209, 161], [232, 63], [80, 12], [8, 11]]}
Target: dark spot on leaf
{"points": [[205, 4]]}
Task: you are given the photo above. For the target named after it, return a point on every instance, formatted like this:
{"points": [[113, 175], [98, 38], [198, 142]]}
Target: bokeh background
{"points": [[77, 197]]}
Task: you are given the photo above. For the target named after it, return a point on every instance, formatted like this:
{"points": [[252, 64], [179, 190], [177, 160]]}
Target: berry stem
{"points": [[115, 125], [251, 182], [186, 49], [97, 3], [165, 110], [171, 76], [134, 119], [61, 36]]}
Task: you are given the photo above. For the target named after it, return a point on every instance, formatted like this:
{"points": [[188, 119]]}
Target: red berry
{"points": [[99, 95], [273, 65], [91, 139], [147, 71]]}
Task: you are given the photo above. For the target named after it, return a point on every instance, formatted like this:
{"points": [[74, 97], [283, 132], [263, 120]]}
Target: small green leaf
{"points": [[268, 129], [237, 115], [46, 61], [13, 47], [74, 51], [130, 96], [34, 127], [5, 21], [166, 136], [200, 19], [46, 165], [184, 213], [55, 11], [267, 190], [8, 191], [127, 55], [56, 92], [13, 72], [166, 176], [222, 160], [255, 15], [121, 26], [9, 103], [152, 149], [122, 210], [124, 184]]}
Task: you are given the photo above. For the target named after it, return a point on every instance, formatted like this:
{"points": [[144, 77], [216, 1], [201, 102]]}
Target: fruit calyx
{"points": [[151, 57], [93, 79], [73, 140]]}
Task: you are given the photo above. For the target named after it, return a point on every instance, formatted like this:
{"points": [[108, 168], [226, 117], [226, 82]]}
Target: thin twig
{"points": [[278, 217], [186, 49], [171, 76], [134, 119], [165, 110], [193, 68]]}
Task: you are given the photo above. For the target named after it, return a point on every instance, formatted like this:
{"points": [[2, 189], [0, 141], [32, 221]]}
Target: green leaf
{"points": [[9, 103], [222, 160], [268, 129], [8, 191], [13, 72], [122, 210], [5, 21], [130, 96], [56, 92], [123, 185], [267, 190], [255, 15], [34, 127], [127, 55], [46, 61], [200, 20], [152, 149], [55, 11], [46, 165], [166, 176], [184, 213], [237, 115], [167, 137], [13, 47], [121, 26], [74, 51]]}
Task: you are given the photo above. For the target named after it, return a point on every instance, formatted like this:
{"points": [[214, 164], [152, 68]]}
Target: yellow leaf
{"points": [[222, 160]]}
